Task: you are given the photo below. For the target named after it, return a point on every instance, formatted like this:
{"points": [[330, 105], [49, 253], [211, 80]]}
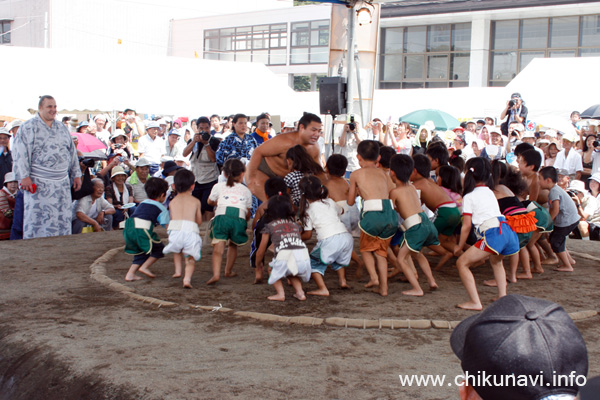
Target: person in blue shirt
{"points": [[239, 144]]}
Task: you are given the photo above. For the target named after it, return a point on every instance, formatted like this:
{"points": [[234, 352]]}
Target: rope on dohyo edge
{"points": [[98, 273]]}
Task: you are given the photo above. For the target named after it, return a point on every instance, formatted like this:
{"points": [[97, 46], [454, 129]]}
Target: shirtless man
{"points": [[268, 159]]}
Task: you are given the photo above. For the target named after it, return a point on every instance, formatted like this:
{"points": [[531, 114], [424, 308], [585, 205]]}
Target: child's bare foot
{"points": [[230, 274], [563, 268], [212, 280], [147, 272], [539, 270], [177, 275], [524, 276], [187, 284], [277, 297], [413, 292], [491, 283], [394, 272], [319, 292], [258, 276], [132, 278], [258, 281], [382, 292], [572, 261], [344, 285], [470, 306], [300, 296], [550, 261], [371, 284], [433, 286]]}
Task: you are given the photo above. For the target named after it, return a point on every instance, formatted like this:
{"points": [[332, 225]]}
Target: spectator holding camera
{"points": [[515, 110], [348, 142], [203, 163], [590, 156]]}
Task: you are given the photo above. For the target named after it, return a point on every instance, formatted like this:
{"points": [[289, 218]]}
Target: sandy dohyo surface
{"points": [[66, 336]]}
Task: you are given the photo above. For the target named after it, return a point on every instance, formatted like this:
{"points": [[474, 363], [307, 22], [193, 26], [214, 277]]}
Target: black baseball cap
{"points": [[521, 336], [169, 167]]}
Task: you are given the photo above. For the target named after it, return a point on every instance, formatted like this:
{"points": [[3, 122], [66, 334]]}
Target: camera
{"points": [[88, 162], [118, 145], [572, 193], [511, 103], [596, 143], [205, 136], [352, 125]]}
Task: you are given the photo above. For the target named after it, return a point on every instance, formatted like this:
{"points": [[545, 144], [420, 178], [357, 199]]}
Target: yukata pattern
{"points": [[48, 156], [234, 147]]}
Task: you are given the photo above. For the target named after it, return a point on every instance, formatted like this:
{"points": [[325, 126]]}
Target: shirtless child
{"points": [[529, 163], [418, 230], [379, 221], [184, 232], [437, 200]]}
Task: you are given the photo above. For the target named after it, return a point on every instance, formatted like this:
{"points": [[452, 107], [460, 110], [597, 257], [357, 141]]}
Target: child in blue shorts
{"points": [[335, 243]]}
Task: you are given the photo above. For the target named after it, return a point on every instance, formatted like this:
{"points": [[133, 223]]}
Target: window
{"points": [[4, 32], [265, 44], [425, 56], [310, 42], [515, 43]]}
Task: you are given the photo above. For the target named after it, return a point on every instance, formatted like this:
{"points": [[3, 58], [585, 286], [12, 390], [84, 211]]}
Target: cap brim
{"points": [[459, 334]]}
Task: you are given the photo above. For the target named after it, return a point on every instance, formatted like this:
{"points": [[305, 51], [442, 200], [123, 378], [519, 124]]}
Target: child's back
{"points": [[338, 188], [185, 207], [372, 183], [406, 200]]}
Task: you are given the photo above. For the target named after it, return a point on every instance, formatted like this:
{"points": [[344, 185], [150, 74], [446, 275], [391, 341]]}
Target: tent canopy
{"points": [[154, 85]]}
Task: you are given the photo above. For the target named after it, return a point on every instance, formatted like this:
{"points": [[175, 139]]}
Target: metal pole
{"points": [[350, 66], [360, 98]]}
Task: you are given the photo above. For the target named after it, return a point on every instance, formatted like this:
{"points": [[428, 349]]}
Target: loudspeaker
{"points": [[332, 95]]}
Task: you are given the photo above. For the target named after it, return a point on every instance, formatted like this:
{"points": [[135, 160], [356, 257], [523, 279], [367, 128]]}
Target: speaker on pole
{"points": [[332, 95]]}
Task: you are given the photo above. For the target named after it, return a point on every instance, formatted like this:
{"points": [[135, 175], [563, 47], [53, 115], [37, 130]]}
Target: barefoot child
{"points": [[418, 230], [234, 202], [291, 257], [495, 238], [273, 186], [140, 239], [437, 200], [184, 231], [529, 163], [564, 213], [335, 243], [338, 189], [379, 221]]}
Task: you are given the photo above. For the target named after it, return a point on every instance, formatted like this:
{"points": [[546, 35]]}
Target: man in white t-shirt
{"points": [[93, 210], [569, 159], [151, 146]]}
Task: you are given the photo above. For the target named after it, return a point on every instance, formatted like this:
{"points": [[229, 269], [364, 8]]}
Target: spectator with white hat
{"points": [[588, 207], [529, 137], [8, 194], [174, 146], [6, 160], [151, 146], [139, 178], [568, 158]]}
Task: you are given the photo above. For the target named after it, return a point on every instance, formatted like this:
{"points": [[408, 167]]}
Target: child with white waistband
{"points": [[437, 200], [140, 238], [184, 231], [379, 221], [418, 230], [496, 238], [335, 243], [233, 201], [291, 257]]}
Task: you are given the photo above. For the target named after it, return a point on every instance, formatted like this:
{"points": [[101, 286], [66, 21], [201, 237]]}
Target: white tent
{"points": [[554, 87], [154, 85]]}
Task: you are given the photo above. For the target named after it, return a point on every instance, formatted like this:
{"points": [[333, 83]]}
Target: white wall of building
{"points": [[27, 21], [481, 24], [187, 35]]}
